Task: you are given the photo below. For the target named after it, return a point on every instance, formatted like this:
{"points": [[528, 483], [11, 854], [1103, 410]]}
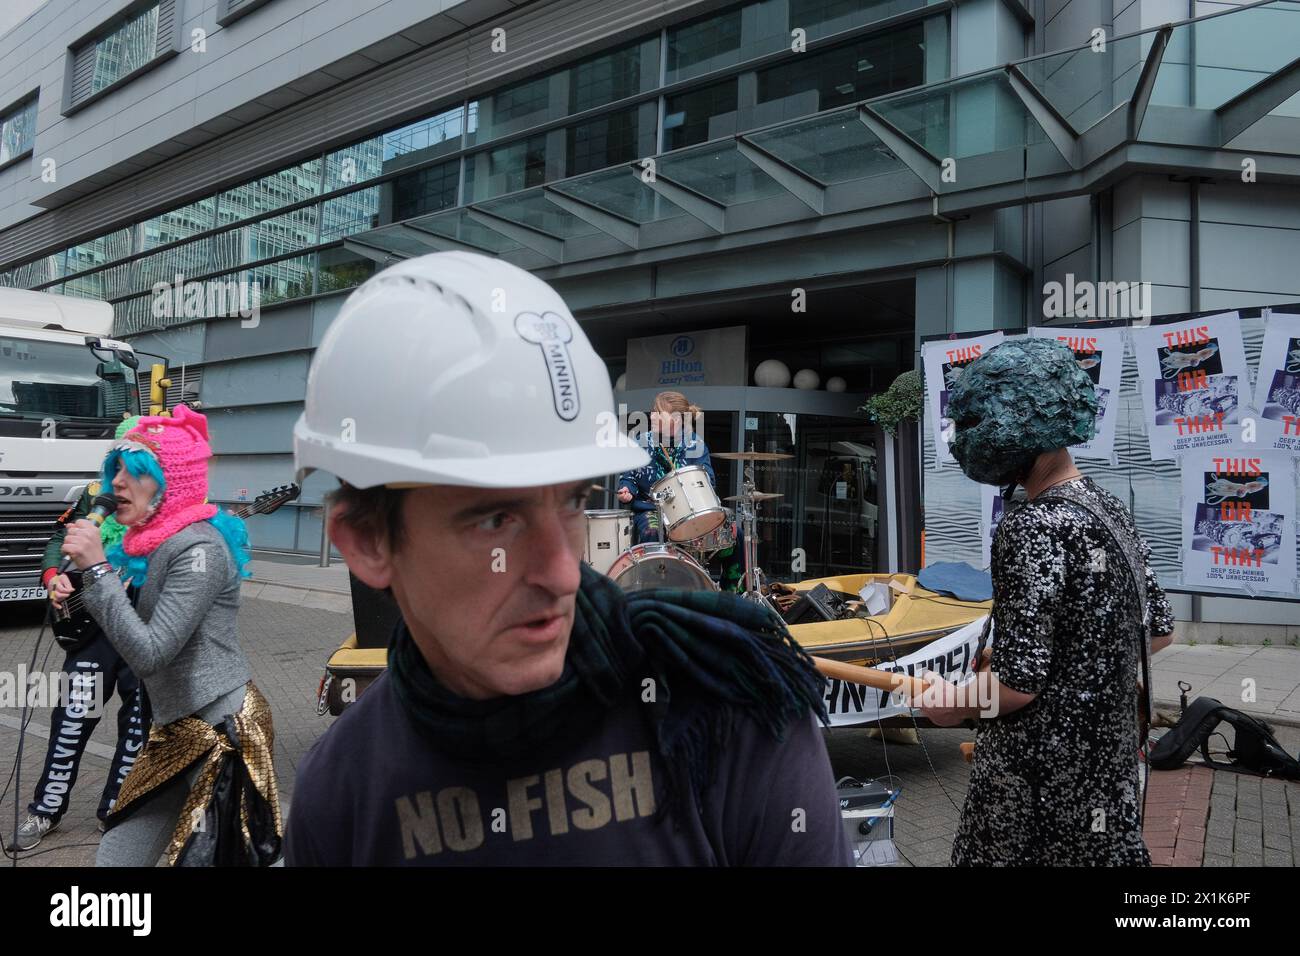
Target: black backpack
{"points": [[1255, 749]]}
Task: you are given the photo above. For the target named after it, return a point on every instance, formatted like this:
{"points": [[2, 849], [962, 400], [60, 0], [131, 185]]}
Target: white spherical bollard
{"points": [[620, 384], [806, 378], [772, 373], [836, 384]]}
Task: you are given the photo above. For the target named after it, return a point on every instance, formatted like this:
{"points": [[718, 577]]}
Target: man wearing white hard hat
{"points": [[532, 712]]}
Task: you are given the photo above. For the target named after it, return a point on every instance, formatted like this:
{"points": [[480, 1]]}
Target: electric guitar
{"points": [[72, 624]]}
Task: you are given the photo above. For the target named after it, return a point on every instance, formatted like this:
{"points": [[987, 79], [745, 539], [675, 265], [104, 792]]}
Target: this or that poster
{"points": [[1100, 353], [1194, 383], [1239, 520], [1277, 387], [944, 361], [992, 506]]}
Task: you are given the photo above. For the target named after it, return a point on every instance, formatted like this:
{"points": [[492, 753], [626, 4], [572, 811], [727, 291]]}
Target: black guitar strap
{"points": [[1127, 544]]}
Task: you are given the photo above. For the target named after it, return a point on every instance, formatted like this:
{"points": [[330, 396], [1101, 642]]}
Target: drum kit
{"points": [[694, 525]]}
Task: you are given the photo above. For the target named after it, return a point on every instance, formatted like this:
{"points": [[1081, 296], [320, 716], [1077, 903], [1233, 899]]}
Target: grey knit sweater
{"points": [[180, 638]]}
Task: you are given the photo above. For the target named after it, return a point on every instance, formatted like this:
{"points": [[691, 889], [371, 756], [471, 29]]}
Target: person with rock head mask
{"points": [[1055, 776]]}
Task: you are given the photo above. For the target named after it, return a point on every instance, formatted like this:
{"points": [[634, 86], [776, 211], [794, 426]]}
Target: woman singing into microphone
{"points": [[204, 788]]}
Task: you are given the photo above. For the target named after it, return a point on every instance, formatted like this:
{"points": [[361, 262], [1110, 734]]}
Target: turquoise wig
{"points": [[141, 464]]}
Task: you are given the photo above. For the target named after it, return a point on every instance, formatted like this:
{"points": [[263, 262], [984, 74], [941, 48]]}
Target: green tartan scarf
{"points": [[711, 656]]}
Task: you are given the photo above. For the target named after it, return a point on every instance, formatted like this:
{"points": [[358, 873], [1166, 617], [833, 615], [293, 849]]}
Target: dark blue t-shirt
{"points": [[373, 792]]}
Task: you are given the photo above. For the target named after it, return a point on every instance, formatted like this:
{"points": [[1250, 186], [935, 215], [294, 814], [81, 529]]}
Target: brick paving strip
{"points": [[1177, 811]]}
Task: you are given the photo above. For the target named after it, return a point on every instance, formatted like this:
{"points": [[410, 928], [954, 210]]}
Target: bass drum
{"points": [[655, 565]]}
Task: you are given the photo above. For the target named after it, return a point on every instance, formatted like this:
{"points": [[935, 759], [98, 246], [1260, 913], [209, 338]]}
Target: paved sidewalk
{"points": [[295, 579], [1263, 681], [287, 646]]}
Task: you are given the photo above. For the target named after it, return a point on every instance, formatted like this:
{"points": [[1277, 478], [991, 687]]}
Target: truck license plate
{"points": [[22, 594]]}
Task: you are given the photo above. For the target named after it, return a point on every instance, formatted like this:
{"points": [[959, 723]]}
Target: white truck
{"points": [[64, 388]]}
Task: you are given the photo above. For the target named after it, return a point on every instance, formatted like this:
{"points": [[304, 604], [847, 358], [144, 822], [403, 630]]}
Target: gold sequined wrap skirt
{"points": [[174, 748]]}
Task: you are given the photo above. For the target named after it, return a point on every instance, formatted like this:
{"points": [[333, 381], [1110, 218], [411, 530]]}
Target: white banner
{"points": [[944, 360], [1277, 388], [1239, 520], [951, 656], [1100, 353], [1194, 382]]}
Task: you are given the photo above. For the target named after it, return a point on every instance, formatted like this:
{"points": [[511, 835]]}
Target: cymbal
{"points": [[752, 455], [756, 496]]}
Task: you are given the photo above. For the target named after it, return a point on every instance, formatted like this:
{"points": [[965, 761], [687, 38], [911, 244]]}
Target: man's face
{"points": [[487, 581]]}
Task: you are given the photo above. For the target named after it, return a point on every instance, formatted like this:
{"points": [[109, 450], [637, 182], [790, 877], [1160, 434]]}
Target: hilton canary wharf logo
{"points": [[551, 333]]}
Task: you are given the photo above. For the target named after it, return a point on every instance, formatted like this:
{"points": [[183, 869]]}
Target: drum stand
{"points": [[747, 515], [659, 497]]}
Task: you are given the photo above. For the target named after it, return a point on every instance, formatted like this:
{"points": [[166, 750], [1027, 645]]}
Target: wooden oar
{"points": [[882, 680], [871, 677]]}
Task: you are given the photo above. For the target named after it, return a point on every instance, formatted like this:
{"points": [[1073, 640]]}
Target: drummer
{"points": [[673, 442]]}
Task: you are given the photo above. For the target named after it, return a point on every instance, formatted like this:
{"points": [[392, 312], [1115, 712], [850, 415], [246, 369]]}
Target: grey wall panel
{"points": [[275, 531], [1011, 233], [262, 428], [1256, 204], [308, 530], [228, 474], [279, 330], [973, 296], [1251, 258], [612, 288], [1170, 299], [256, 381], [323, 312], [1067, 226], [976, 235], [1077, 263], [899, 246], [181, 345]]}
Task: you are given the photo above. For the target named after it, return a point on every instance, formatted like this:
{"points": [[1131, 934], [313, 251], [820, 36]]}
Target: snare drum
{"points": [[655, 565], [723, 536], [691, 507], [609, 534]]}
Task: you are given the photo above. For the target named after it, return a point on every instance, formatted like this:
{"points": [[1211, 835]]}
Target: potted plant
{"points": [[899, 403]]}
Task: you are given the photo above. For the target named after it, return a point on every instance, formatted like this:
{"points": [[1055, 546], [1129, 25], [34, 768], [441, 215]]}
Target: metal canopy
{"points": [[1038, 129]]}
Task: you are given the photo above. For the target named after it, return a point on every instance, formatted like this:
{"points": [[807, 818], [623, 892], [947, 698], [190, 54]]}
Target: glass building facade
{"points": [[678, 87]]}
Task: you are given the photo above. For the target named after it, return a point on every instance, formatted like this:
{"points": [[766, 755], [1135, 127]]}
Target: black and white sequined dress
{"points": [[1056, 782]]}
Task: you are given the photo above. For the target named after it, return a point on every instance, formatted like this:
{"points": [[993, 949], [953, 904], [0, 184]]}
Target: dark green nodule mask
{"points": [[1013, 403]]}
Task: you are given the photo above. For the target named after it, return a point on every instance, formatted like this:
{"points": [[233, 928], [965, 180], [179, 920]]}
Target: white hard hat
{"points": [[459, 369]]}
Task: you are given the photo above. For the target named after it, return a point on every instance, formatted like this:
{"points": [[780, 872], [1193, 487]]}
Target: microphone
{"points": [[101, 506]]}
